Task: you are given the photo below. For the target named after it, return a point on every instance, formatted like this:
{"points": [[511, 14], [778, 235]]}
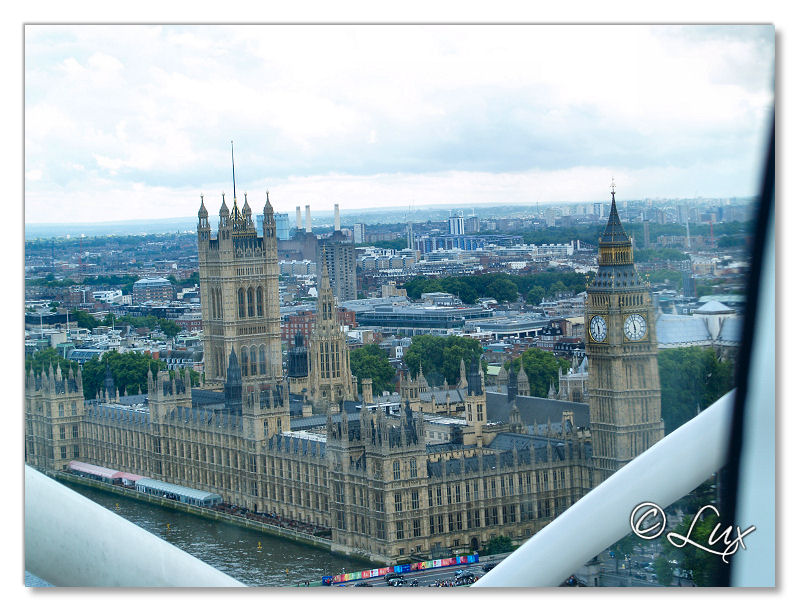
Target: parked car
{"points": [[489, 566]]}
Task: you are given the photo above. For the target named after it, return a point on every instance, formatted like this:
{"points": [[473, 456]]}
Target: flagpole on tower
{"points": [[233, 169]]}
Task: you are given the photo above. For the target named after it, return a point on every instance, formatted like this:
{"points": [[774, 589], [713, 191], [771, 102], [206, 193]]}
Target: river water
{"points": [[228, 548]]}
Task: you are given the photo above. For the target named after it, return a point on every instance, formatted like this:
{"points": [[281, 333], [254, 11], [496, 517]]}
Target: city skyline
{"points": [[388, 115]]}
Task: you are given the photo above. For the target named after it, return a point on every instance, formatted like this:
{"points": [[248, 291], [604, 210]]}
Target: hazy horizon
{"points": [[320, 218]]}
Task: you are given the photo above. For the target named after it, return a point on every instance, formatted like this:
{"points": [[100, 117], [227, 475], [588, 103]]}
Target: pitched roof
{"points": [[681, 330], [614, 231], [535, 409], [714, 307]]}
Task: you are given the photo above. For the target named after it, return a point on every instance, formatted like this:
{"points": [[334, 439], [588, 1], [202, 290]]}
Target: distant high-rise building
{"points": [[339, 256], [410, 244], [689, 287], [359, 233], [550, 216], [152, 289], [281, 225], [646, 227], [457, 223], [472, 225]]}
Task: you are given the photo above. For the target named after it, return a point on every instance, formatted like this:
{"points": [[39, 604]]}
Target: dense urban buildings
{"points": [[152, 290], [427, 472]]}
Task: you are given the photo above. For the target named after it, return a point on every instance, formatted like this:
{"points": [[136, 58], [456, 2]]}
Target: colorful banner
{"points": [[400, 569]]}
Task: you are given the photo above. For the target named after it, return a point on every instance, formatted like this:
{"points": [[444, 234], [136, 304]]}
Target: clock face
{"points": [[598, 328], [635, 327]]}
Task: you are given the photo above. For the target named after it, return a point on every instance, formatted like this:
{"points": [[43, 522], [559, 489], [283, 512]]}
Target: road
{"points": [[427, 578]]}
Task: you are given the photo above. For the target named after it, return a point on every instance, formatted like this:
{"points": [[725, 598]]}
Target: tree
{"points": [[398, 244], [702, 565], [84, 319], [673, 277], [170, 328], [124, 282], [503, 290], [194, 376], [647, 255], [42, 359], [692, 379], [129, 371], [441, 356], [535, 295], [622, 548], [371, 361], [542, 369], [663, 571], [498, 545], [502, 287], [558, 287]]}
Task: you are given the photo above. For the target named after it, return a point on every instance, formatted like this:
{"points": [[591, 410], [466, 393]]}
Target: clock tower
{"points": [[621, 344]]}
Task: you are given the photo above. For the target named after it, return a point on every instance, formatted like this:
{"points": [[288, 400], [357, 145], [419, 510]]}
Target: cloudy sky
{"points": [[131, 122]]}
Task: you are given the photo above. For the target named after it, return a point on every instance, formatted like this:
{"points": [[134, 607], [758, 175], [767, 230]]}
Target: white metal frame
{"points": [[72, 541], [664, 473]]}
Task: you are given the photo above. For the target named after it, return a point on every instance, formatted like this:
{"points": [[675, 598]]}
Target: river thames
{"points": [[229, 548]]}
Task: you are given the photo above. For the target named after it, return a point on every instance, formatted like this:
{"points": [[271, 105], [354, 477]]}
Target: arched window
{"points": [[251, 303], [253, 360], [241, 303], [260, 302], [244, 361], [262, 359]]}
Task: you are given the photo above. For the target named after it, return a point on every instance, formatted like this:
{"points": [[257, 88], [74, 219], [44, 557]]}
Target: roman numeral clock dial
{"points": [[635, 327], [598, 328]]}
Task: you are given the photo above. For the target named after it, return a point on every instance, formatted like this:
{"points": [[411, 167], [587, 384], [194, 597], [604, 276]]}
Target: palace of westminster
{"points": [[304, 444]]}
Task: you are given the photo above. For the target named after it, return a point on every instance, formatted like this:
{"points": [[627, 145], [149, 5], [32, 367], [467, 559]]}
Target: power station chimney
{"points": [[308, 218], [337, 226], [299, 219]]}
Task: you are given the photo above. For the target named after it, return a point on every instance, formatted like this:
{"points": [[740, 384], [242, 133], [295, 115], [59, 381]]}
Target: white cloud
{"points": [[388, 110]]}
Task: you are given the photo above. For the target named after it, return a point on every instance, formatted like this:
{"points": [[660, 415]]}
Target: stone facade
{"points": [[624, 385], [365, 471], [54, 425], [368, 476], [330, 381], [239, 293]]}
